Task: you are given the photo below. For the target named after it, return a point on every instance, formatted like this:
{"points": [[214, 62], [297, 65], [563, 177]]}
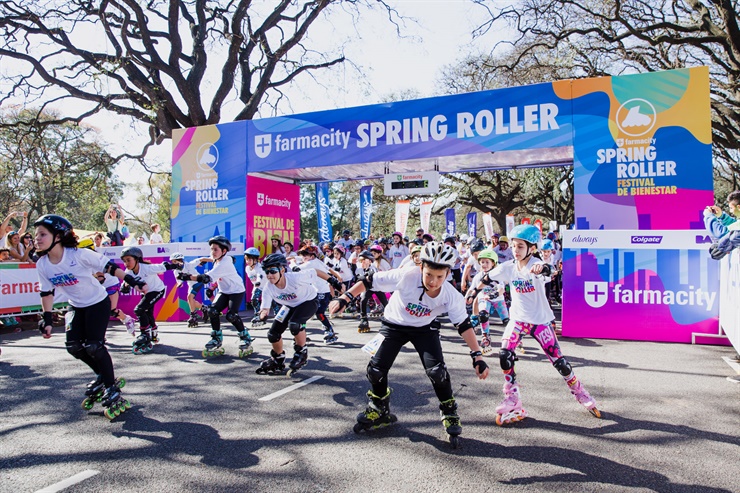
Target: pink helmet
{"points": [[340, 248], [376, 248]]}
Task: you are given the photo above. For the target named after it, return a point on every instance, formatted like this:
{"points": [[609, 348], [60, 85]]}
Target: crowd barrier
{"points": [[729, 301]]}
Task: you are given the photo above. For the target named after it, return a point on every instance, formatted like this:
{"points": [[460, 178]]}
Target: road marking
{"points": [[290, 389], [77, 478]]}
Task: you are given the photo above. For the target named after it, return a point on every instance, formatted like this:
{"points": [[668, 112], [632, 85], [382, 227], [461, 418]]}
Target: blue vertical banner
{"points": [[472, 224], [450, 221], [366, 210], [323, 215]]}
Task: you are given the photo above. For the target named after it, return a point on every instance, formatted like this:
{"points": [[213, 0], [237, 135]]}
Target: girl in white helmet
{"points": [[420, 295]]}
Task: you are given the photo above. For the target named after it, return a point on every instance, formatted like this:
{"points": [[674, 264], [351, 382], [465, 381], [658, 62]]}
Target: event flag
{"points": [[488, 225], [509, 224], [425, 211], [402, 215], [366, 210], [472, 224], [323, 214], [450, 221]]}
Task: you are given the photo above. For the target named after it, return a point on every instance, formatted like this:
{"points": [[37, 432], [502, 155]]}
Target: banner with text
{"points": [[209, 165], [663, 282], [273, 208], [472, 224], [402, 215], [425, 214], [450, 222], [366, 210], [323, 214], [642, 150], [488, 225]]}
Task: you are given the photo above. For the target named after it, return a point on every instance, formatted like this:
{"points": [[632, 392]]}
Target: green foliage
{"points": [[154, 201], [61, 168]]}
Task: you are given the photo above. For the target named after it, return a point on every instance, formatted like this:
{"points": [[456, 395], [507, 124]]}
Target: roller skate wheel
{"points": [[454, 441], [205, 353], [220, 351], [88, 404], [292, 372], [243, 353], [595, 412], [109, 414], [357, 428], [487, 351], [126, 404], [121, 382]]}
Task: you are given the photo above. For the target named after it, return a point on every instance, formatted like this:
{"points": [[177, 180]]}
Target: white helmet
{"points": [[472, 240], [177, 256], [438, 253], [463, 237]]}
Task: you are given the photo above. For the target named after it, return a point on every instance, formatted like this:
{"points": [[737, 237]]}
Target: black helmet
{"points": [[132, 252], [346, 232], [55, 224], [221, 241], [383, 241], [478, 246], [360, 243], [275, 260], [367, 254], [450, 239]]}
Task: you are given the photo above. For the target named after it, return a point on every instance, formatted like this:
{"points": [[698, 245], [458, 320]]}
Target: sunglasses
{"points": [[273, 270]]}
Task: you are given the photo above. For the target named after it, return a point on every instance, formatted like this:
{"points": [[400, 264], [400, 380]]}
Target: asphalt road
{"points": [[671, 420]]}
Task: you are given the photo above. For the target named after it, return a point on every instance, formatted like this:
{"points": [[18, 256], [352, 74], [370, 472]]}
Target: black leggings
{"points": [[233, 301], [295, 318], [427, 344], [86, 339], [366, 295], [145, 309]]}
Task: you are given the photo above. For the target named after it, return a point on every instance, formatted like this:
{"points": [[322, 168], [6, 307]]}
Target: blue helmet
{"points": [[252, 252], [526, 232], [547, 245]]}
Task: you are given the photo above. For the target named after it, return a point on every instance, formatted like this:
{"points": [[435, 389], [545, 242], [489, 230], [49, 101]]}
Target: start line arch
{"points": [[640, 146]]}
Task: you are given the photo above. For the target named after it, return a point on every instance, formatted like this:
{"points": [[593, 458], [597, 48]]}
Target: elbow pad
{"points": [[47, 293], [111, 268], [464, 326], [367, 281], [204, 278]]}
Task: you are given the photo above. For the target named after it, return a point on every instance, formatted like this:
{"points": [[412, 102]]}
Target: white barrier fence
{"points": [[729, 301]]}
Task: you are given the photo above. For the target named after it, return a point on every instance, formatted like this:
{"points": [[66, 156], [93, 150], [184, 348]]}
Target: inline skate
{"points": [[364, 326], [273, 365], [451, 421], [114, 403], [377, 414], [193, 320], [155, 334], [245, 344], [510, 410], [584, 398], [95, 391], [143, 343], [485, 345], [257, 322], [299, 359], [330, 337], [214, 346]]}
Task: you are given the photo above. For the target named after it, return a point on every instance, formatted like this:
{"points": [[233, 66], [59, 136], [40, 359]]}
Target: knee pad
{"points": [[562, 366], [95, 349], [213, 313], [140, 311], [438, 374], [233, 318], [295, 328], [376, 375], [274, 335], [483, 316], [507, 359], [75, 348]]}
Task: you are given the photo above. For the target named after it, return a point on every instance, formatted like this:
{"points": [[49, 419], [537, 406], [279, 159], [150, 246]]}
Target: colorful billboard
{"points": [[638, 285], [642, 150], [273, 208]]}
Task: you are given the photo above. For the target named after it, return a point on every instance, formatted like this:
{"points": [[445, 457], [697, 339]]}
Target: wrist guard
{"points": [[203, 278], [342, 303], [546, 270], [170, 265], [333, 282], [111, 268], [209, 292], [132, 281], [475, 354], [367, 281], [472, 294], [296, 268], [480, 365], [46, 321], [486, 280], [184, 276], [125, 289]]}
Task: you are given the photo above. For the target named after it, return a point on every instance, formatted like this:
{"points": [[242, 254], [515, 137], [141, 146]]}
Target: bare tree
{"points": [[590, 38], [167, 63]]}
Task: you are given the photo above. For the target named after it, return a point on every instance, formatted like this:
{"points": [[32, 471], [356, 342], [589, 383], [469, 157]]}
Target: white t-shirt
{"points": [[149, 273], [396, 254], [299, 287], [155, 238], [317, 265], [225, 275], [383, 267], [528, 300], [73, 276], [492, 291], [347, 244], [256, 275], [504, 255], [410, 305], [341, 266], [189, 268]]}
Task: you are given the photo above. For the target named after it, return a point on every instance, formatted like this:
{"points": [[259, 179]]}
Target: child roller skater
{"points": [[530, 314], [419, 296], [256, 276], [194, 287], [64, 267], [230, 294], [367, 260], [137, 267], [323, 286], [490, 298], [297, 293]]}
